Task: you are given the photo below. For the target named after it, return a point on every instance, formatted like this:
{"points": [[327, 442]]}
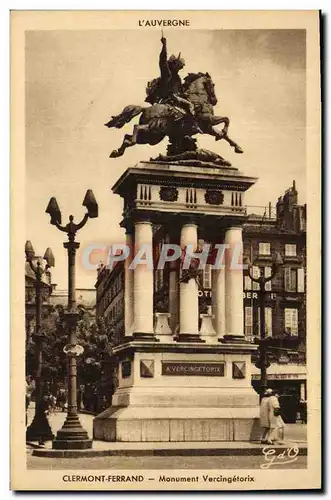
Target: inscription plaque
{"points": [[196, 369]]}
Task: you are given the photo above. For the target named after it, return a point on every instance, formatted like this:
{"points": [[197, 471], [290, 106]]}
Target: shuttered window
{"points": [[256, 274], [248, 321], [290, 250], [264, 248], [248, 283], [267, 274], [301, 279], [291, 321], [290, 279], [267, 321]]}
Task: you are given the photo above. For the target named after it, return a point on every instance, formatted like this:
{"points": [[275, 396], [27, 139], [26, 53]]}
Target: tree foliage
{"points": [[97, 339]]}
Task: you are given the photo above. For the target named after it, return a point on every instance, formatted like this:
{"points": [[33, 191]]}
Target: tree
{"points": [[97, 339]]}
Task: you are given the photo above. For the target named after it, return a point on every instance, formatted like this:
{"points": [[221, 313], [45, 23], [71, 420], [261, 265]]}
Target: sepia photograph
{"points": [[166, 330]]}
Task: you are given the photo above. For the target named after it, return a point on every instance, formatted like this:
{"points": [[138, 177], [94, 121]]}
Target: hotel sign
{"points": [[246, 295], [281, 376], [193, 369]]}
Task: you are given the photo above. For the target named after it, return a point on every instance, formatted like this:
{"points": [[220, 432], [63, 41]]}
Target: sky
{"points": [[75, 82]]}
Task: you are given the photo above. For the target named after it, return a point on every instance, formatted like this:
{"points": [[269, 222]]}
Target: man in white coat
{"points": [[274, 416], [264, 416], [269, 411]]}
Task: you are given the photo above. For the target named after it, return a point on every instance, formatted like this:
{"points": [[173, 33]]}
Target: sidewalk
{"points": [[295, 434]]}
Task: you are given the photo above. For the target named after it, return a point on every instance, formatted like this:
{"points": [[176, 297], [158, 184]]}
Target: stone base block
{"points": [[156, 397], [82, 444], [136, 424]]}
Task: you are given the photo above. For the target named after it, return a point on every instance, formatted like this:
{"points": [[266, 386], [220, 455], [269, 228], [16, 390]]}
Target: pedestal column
{"points": [[173, 296], [188, 292], [174, 283], [128, 288], [143, 283], [218, 301], [234, 308]]}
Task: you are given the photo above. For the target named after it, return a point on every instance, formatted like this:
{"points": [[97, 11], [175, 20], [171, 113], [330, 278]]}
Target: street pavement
{"points": [[293, 433], [164, 463]]}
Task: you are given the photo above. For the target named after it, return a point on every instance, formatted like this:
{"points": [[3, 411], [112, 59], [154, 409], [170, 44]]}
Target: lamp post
{"points": [[263, 362], [39, 430], [72, 436]]}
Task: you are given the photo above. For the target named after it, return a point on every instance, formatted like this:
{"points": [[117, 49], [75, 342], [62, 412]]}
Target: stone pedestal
{"points": [[197, 388], [181, 392]]}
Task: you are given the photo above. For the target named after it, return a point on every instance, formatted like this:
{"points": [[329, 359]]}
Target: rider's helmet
{"points": [[176, 62]]}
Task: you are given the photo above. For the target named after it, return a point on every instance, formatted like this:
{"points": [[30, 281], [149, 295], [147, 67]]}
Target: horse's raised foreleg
{"points": [[224, 135], [127, 143], [217, 120]]}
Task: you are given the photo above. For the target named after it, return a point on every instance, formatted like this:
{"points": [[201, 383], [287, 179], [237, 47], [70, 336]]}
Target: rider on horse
{"points": [[168, 88], [178, 111]]}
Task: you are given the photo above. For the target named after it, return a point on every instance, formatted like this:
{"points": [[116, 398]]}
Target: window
{"points": [[267, 321], [256, 274], [301, 280], [290, 279], [264, 248], [291, 321], [290, 250], [248, 321], [267, 274], [207, 276], [248, 283]]}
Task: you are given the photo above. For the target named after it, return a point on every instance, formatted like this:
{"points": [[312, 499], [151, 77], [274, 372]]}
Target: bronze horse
{"points": [[164, 119]]}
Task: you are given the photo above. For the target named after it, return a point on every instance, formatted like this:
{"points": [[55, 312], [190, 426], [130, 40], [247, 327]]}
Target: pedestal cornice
{"points": [[184, 348], [178, 175]]}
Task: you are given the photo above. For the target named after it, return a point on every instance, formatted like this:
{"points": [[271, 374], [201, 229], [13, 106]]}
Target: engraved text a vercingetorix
{"points": [[197, 369]]}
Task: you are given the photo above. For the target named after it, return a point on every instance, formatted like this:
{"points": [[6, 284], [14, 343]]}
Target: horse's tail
{"points": [[127, 114]]}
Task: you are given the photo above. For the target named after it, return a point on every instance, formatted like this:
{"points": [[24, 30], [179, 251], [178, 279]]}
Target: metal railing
{"points": [[267, 212]]}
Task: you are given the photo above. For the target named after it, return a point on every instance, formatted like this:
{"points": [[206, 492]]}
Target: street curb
{"points": [[160, 452], [33, 445]]}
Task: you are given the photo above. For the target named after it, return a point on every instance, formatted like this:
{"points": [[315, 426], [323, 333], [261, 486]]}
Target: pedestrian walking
{"points": [[265, 416], [29, 388], [61, 400], [52, 404], [273, 417], [279, 429]]}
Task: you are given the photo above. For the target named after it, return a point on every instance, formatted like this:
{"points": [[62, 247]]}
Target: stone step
{"points": [[104, 449]]}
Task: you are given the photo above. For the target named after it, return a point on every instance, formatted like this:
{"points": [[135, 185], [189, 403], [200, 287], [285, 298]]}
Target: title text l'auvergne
{"points": [[163, 23]]}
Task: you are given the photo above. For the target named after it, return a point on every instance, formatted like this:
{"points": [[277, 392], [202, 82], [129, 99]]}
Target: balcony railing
{"points": [[267, 212]]}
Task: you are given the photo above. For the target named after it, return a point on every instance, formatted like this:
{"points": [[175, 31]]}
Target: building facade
{"points": [[85, 299], [110, 298], [266, 232], [281, 231]]}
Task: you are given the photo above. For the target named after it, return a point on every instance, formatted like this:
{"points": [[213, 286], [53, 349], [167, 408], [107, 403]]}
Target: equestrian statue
{"points": [[178, 110]]}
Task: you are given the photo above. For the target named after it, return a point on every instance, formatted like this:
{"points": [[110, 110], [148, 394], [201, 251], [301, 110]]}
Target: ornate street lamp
{"points": [[263, 361], [39, 430], [72, 435]]}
